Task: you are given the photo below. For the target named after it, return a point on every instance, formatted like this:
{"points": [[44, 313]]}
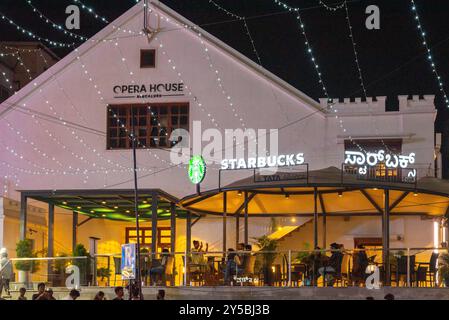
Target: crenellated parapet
{"points": [[376, 105]]}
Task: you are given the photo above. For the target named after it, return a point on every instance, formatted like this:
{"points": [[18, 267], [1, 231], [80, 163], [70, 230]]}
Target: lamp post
{"points": [[136, 205]]}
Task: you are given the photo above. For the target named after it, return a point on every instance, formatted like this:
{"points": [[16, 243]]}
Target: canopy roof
{"points": [[109, 204], [338, 194]]}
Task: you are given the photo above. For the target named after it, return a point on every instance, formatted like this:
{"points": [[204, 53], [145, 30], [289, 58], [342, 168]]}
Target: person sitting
{"points": [[22, 293], [332, 266], [360, 263], [157, 271]]}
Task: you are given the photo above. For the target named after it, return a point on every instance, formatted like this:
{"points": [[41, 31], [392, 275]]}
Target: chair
{"points": [[343, 277], [248, 268], [196, 276], [117, 268], [299, 272], [169, 274], [431, 269], [401, 268]]}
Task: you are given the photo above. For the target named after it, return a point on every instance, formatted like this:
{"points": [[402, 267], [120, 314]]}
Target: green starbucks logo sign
{"points": [[197, 169]]}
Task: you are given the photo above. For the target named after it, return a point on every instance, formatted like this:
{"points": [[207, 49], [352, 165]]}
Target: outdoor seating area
{"points": [[425, 268]]}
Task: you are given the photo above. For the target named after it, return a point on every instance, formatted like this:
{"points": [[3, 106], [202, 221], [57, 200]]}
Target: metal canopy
{"points": [[340, 195], [108, 204]]}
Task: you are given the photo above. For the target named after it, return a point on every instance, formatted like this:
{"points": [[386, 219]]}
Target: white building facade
{"points": [[58, 133]]}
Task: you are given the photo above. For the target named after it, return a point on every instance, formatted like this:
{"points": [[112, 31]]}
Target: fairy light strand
{"points": [[430, 59], [53, 24]]}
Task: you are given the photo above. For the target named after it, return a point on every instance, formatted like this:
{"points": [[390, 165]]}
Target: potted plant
{"points": [[443, 268], [58, 276], [103, 273], [24, 249], [84, 265], [267, 248]]}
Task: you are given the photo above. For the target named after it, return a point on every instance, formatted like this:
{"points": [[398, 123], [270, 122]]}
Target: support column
{"points": [[74, 230], [50, 237], [189, 231], [23, 216], [188, 248], [386, 236], [315, 218], [237, 229], [173, 227], [154, 207], [246, 218], [224, 221], [323, 210], [2, 220], [51, 230]]}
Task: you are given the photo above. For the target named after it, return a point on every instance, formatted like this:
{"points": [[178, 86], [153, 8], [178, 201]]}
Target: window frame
{"points": [[142, 51], [150, 142]]}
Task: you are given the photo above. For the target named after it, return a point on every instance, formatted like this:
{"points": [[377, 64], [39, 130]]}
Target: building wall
{"points": [[54, 155]]}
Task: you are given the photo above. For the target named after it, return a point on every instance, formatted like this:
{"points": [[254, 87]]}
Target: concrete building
{"points": [[66, 131]]}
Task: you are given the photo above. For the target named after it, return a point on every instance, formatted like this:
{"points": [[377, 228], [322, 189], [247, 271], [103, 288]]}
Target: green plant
{"points": [[82, 264], [303, 255], [24, 249], [267, 247], [443, 267], [103, 273]]}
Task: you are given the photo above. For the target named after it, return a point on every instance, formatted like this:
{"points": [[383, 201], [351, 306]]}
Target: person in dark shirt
{"points": [[333, 265], [100, 296], [160, 295], [40, 291], [360, 263], [22, 293], [119, 293]]}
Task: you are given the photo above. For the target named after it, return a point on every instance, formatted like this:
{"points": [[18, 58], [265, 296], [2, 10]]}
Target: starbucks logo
{"points": [[197, 169]]}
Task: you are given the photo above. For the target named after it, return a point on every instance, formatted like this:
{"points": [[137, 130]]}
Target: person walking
{"points": [[5, 272]]}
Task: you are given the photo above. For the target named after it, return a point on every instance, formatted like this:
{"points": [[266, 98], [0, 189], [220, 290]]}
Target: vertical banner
{"points": [[128, 265]]}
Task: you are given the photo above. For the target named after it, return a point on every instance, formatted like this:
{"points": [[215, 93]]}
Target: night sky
{"points": [[392, 59]]}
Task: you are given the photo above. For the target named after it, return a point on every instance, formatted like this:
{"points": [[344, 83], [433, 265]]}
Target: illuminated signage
{"points": [[372, 159], [197, 169], [363, 160], [153, 90], [263, 162]]}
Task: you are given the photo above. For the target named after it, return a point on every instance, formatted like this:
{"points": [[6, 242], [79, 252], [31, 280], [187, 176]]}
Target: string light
{"points": [[309, 50], [34, 36], [330, 8], [55, 25], [425, 43], [91, 11], [359, 71]]}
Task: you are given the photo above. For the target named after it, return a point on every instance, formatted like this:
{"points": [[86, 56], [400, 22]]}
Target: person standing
{"points": [[119, 293], [22, 293], [40, 291], [5, 272]]}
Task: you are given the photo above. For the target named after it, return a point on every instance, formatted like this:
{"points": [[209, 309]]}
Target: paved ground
{"points": [[266, 293]]}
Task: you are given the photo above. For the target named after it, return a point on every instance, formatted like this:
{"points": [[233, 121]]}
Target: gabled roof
{"points": [[126, 17]]}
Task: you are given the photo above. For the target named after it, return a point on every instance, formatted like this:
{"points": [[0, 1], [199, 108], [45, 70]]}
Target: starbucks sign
{"points": [[197, 169]]}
